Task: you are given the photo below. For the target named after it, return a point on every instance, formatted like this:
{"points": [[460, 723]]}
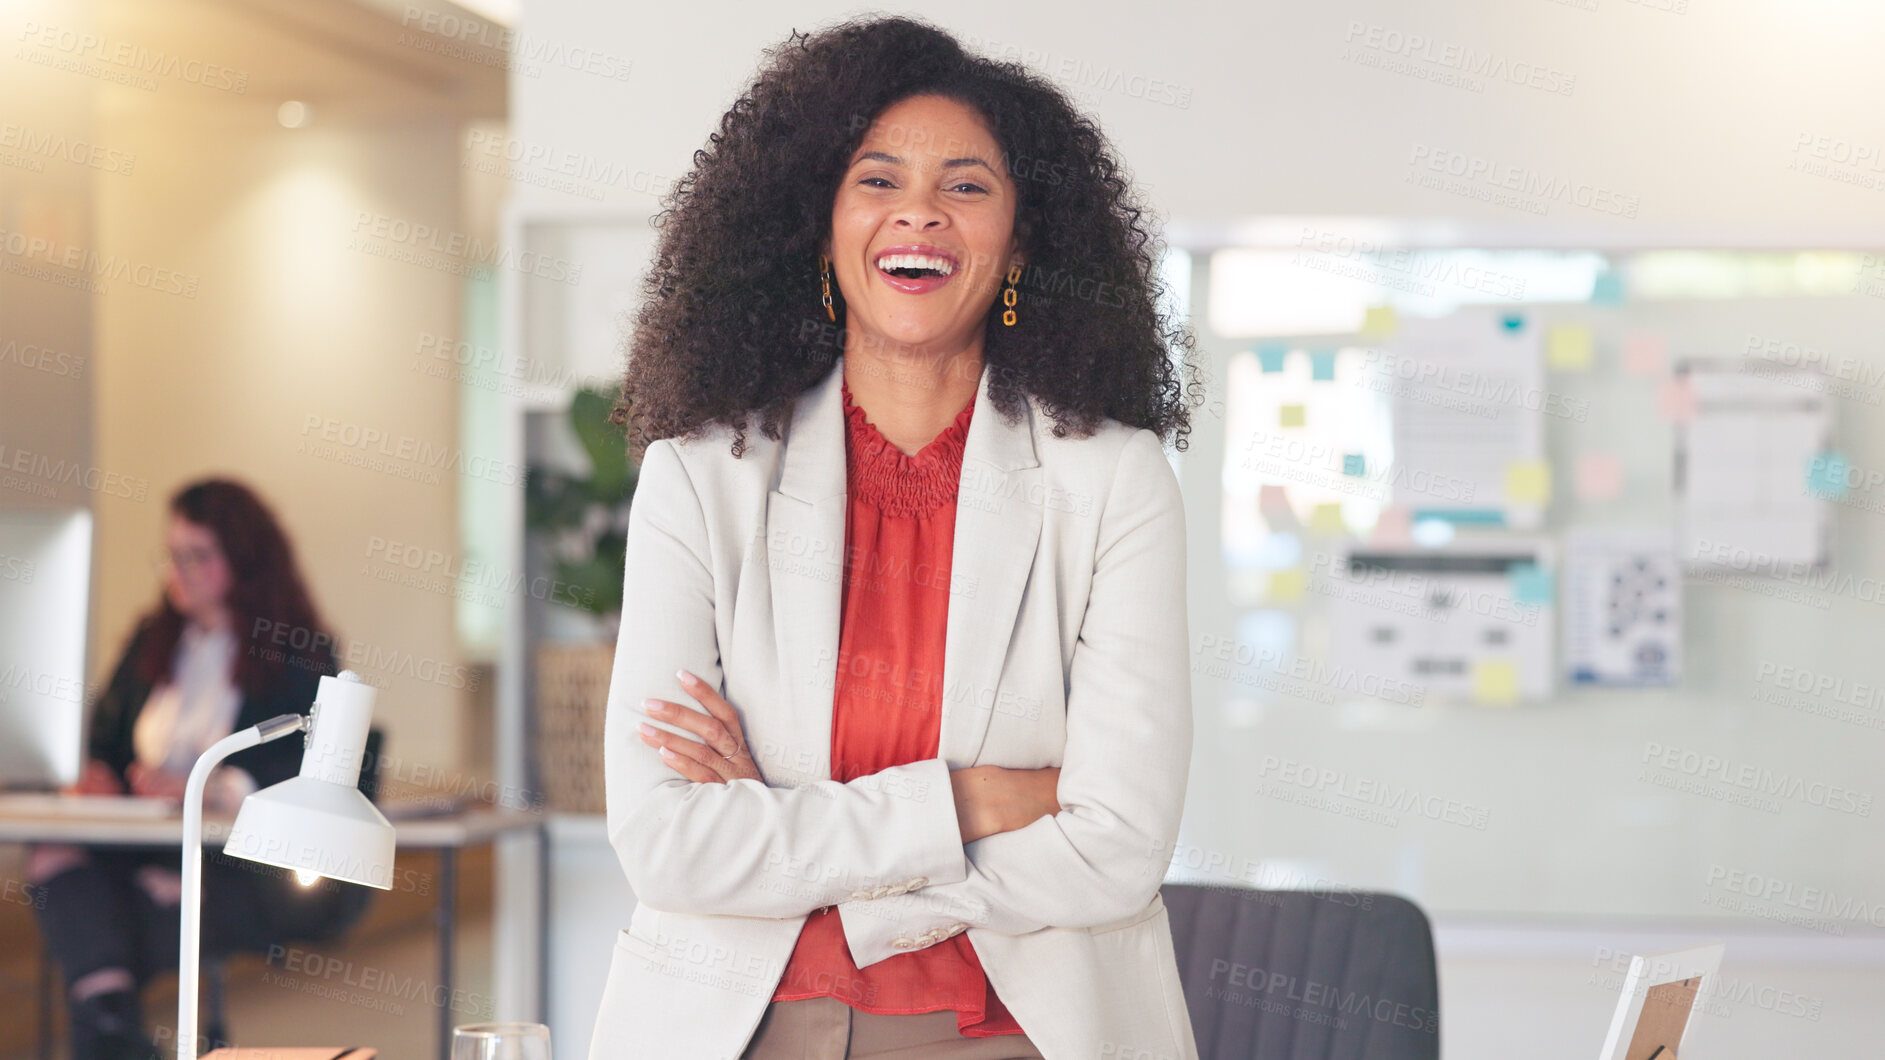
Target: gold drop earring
{"points": [[1008, 295], [824, 284]]}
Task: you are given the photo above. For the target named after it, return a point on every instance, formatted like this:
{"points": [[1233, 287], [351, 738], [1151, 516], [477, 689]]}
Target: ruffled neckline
{"points": [[897, 483]]}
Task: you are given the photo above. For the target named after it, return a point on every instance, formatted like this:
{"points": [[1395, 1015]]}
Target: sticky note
{"points": [[1327, 519], [1607, 288], [1528, 482], [1379, 322], [1354, 464], [1531, 584], [1599, 477], [1271, 357], [1643, 355], [1391, 527], [1568, 348], [1286, 586], [1322, 365], [1675, 400], [1273, 502], [1826, 475], [1290, 415], [1495, 681]]}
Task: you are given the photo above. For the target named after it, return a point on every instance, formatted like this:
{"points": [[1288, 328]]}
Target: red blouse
{"points": [[887, 709]]}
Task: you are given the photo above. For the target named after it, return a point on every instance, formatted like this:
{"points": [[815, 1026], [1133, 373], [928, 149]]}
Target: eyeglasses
{"points": [[183, 559]]}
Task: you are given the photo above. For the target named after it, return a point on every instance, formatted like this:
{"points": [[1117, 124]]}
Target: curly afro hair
{"points": [[731, 320]]}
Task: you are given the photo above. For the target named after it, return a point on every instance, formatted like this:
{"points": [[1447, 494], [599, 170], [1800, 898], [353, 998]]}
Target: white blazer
{"points": [[1066, 646]]}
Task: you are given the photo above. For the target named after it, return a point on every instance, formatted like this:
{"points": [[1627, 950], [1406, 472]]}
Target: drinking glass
{"points": [[501, 1041]]}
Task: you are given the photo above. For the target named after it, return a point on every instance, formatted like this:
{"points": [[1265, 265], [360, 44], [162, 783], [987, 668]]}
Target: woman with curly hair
{"points": [[914, 788]]}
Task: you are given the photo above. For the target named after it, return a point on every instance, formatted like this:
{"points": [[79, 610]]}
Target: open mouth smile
{"points": [[916, 268]]}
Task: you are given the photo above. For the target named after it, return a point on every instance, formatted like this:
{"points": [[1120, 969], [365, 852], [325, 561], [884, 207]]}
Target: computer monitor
{"points": [[45, 593]]}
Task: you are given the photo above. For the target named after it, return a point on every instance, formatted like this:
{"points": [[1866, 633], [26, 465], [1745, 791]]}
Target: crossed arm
{"points": [[940, 857]]}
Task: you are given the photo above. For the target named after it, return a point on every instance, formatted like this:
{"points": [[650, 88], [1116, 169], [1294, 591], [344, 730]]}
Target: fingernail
{"points": [[651, 704], [665, 753], [646, 729], [684, 677]]}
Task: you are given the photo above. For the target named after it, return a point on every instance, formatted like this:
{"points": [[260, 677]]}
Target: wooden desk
{"points": [[447, 834]]}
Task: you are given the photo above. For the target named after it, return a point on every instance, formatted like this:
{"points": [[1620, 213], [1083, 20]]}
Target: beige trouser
{"points": [[824, 1028]]}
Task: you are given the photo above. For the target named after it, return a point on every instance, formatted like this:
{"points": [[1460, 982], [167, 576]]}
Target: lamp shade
{"points": [[319, 823]]}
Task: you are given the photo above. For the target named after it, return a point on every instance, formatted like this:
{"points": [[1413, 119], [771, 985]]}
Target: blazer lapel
{"points": [[998, 526]]}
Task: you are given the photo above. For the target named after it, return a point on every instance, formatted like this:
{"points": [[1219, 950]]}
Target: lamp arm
{"points": [[190, 961]]}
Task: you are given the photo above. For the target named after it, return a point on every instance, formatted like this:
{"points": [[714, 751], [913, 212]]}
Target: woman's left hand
{"points": [[719, 755]]}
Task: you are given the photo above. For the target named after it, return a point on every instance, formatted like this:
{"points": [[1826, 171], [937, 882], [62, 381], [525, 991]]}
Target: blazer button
{"points": [[902, 943], [860, 895], [918, 881]]}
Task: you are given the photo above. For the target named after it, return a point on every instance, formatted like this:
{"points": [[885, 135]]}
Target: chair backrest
{"points": [[1305, 975]]}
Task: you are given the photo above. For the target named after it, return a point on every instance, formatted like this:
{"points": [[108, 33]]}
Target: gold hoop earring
{"points": [[1008, 295], [824, 284]]}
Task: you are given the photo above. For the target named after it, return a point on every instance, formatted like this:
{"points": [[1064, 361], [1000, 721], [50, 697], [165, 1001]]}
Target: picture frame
{"points": [[1655, 1013]]}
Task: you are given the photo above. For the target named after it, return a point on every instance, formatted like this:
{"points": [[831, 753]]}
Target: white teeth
{"points": [[915, 261]]}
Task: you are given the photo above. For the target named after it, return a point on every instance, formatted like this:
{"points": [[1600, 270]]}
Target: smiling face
{"points": [[922, 229]]}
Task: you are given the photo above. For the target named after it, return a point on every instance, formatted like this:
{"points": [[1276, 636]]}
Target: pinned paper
{"points": [[1273, 502], [1826, 475], [1531, 584], [1391, 528], [1327, 519], [1322, 365], [1607, 288], [1675, 400], [1354, 464], [1271, 357], [1599, 477], [1568, 348], [1495, 681], [1379, 322], [1290, 415], [1644, 355], [1286, 586], [1513, 322], [1528, 482]]}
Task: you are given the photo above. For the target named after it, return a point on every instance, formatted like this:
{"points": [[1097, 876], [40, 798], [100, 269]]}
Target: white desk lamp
{"points": [[316, 824]]}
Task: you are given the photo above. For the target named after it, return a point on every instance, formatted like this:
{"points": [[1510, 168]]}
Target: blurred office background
{"points": [[1516, 284]]}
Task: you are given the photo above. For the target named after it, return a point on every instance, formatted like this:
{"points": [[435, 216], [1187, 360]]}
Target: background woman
{"points": [[939, 641], [199, 664]]}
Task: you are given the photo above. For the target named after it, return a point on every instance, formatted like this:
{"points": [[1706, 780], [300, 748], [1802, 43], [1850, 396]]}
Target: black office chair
{"points": [[1303, 975]]}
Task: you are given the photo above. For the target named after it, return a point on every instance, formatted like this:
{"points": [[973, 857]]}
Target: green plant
{"points": [[583, 520]]}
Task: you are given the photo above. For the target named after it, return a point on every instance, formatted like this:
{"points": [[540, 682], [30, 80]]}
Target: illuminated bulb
{"points": [[306, 878]]}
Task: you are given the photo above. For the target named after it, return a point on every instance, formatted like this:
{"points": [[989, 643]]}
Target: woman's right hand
{"points": [[991, 799], [97, 779]]}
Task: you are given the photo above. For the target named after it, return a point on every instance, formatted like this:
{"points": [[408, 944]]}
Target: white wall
{"points": [[1695, 116]]}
